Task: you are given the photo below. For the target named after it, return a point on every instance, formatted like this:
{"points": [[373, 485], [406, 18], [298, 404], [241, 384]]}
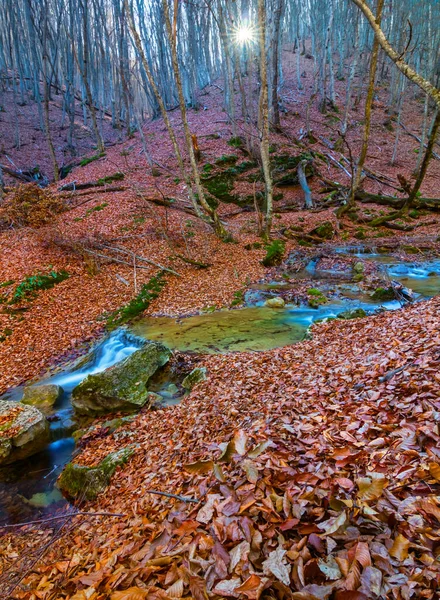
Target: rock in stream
{"points": [[122, 387], [24, 431]]}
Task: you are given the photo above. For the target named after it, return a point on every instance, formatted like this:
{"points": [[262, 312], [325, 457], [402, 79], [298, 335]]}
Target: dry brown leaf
{"points": [[371, 488], [133, 593], [434, 469], [400, 547], [199, 467]]}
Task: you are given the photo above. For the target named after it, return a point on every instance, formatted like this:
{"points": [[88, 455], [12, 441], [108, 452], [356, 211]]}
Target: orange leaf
{"points": [[133, 593], [400, 547]]}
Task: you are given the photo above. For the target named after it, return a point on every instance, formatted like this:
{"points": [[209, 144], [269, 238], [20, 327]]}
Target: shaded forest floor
{"points": [[330, 487]]}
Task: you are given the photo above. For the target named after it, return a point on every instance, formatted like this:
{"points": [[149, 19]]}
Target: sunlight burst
{"points": [[244, 35]]}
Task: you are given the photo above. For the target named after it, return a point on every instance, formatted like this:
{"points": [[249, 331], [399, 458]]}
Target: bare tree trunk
{"points": [[263, 117], [56, 171], [357, 176], [398, 59], [275, 61], [211, 212]]}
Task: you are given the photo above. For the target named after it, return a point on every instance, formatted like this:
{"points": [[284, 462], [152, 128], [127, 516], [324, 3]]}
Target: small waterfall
{"points": [[112, 350]]}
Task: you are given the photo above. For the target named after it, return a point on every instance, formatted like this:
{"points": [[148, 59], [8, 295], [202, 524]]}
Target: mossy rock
{"points": [[196, 376], [220, 185], [316, 298], [325, 231], [24, 431], [274, 253], [78, 481], [122, 387], [354, 313], [383, 294], [42, 396], [358, 267]]}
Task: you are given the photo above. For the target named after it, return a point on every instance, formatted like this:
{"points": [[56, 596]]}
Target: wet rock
{"points": [[316, 298], [122, 387], [383, 294], [155, 401], [78, 481], [24, 431], [277, 302], [358, 267], [354, 313], [42, 396], [196, 376]]}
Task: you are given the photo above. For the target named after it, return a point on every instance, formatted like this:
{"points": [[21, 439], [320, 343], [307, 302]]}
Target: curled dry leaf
{"points": [[176, 590], [252, 587], [228, 587], [206, 512], [332, 525], [434, 469]]}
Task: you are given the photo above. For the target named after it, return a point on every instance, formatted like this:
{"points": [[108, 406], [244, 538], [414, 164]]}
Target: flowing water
{"points": [[26, 487]]}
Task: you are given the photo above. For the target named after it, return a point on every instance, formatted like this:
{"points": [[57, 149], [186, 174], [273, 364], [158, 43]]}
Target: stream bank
{"points": [[28, 486]]}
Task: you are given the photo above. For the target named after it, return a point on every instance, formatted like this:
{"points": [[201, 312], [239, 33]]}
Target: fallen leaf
{"points": [[274, 565], [400, 547]]}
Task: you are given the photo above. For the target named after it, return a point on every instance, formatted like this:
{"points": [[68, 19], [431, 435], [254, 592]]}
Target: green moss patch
{"points": [[29, 288], [274, 253], [284, 168], [118, 176], [90, 159], [149, 292]]}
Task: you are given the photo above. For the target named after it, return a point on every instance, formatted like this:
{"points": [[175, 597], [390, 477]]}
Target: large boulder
{"points": [[24, 431], [122, 387], [42, 396], [78, 481]]}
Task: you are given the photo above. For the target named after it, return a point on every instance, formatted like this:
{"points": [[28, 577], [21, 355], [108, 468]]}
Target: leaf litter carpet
{"points": [[316, 470]]}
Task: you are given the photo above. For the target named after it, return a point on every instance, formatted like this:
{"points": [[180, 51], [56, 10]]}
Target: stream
{"points": [[27, 488]]}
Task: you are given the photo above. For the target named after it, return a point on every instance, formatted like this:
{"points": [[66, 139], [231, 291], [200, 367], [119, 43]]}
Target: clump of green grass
{"points": [[29, 288], [90, 159], [149, 292], [238, 298], [274, 253]]}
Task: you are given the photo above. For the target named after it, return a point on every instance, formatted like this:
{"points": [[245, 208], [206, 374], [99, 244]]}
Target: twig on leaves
{"points": [[183, 498], [60, 517]]}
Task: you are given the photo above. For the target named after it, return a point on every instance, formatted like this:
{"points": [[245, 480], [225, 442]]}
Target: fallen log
{"points": [[98, 190], [27, 176]]}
